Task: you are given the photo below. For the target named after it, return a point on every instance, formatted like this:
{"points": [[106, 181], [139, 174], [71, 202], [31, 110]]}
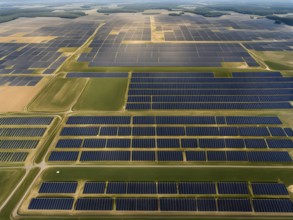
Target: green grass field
{"points": [[58, 96], [9, 178], [105, 94], [170, 174]]}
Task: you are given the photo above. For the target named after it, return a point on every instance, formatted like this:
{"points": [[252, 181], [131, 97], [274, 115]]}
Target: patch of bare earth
{"points": [[16, 98]]}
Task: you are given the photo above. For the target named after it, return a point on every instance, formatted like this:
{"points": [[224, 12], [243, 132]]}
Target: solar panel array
{"points": [[24, 58], [261, 90], [172, 138], [21, 135], [164, 196], [19, 80]]}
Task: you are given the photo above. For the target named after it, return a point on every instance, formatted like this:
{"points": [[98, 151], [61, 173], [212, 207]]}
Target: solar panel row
{"points": [[168, 131], [166, 204], [26, 120], [228, 156], [173, 120]]}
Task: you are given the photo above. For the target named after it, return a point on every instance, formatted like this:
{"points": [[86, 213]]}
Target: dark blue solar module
{"points": [[143, 143], [94, 188], [137, 204], [253, 131], [272, 156], [143, 156], [124, 131], [117, 188], [26, 120], [168, 143], [272, 205], [238, 188], [94, 143], [63, 156], [202, 131], [167, 188], [196, 188], [170, 131], [216, 156], [105, 156], [255, 143], [109, 131], [289, 132], [257, 74], [189, 143], [178, 204], [236, 156], [58, 187], [185, 120], [269, 189], [98, 120], [195, 156], [211, 143], [206, 205], [234, 205], [170, 156], [143, 120], [221, 119], [280, 143], [141, 188], [277, 132], [51, 204], [80, 131], [96, 75], [143, 131], [94, 204], [69, 143], [168, 75], [228, 131], [234, 143], [118, 143]]}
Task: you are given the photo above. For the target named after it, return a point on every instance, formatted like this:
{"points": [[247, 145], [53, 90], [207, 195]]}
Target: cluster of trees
{"points": [[8, 14]]}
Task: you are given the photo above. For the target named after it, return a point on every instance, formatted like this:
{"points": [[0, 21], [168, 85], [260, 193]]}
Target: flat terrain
{"points": [[144, 97]]}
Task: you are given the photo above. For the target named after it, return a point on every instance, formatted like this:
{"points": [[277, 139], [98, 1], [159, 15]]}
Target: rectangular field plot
{"points": [[183, 139], [22, 136], [251, 90]]}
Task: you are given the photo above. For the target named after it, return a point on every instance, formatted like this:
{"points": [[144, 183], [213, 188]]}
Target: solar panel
{"points": [[195, 156], [118, 143], [279, 143], [94, 143], [272, 205], [206, 205], [143, 143], [51, 204], [178, 204], [167, 188], [94, 204], [196, 188], [211, 143], [80, 131], [234, 205], [58, 187], [63, 156], [170, 156], [141, 188], [143, 156], [277, 132], [105, 156], [236, 156], [234, 143], [94, 188], [168, 143], [189, 143], [117, 188], [255, 143], [216, 156], [69, 143], [238, 188], [269, 189], [136, 204], [98, 120]]}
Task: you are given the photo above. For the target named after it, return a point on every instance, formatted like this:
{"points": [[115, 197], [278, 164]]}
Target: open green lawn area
{"points": [[170, 174], [59, 95], [102, 94], [276, 60], [9, 178]]}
